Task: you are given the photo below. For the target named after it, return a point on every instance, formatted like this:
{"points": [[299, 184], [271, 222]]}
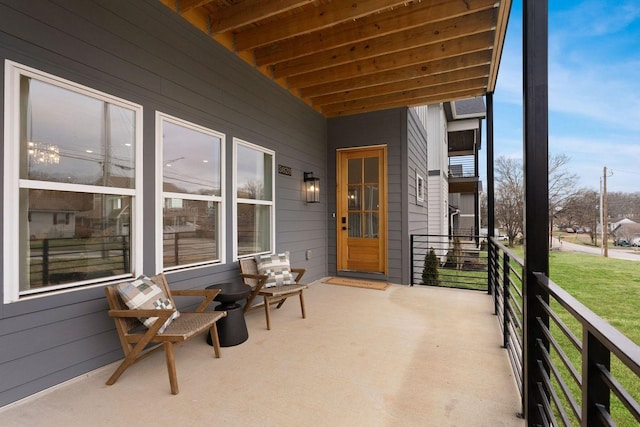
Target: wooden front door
{"points": [[362, 209]]}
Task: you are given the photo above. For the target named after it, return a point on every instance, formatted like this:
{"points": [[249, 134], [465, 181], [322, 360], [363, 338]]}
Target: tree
{"points": [[582, 210], [484, 209], [430, 275], [562, 187], [509, 196]]}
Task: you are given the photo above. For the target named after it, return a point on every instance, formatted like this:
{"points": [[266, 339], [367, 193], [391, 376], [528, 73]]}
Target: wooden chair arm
{"points": [[208, 294], [262, 279], [254, 276], [300, 272], [160, 314]]}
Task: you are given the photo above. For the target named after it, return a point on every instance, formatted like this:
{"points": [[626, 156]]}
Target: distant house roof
{"points": [[623, 220]]}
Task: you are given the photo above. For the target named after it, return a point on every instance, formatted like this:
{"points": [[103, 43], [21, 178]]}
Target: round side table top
{"points": [[231, 292]]}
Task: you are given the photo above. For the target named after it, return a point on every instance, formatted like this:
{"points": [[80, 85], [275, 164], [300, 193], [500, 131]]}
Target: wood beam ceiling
{"points": [[362, 55]]}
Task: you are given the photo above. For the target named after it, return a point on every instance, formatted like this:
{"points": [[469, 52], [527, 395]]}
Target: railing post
{"points": [[506, 262], [411, 271], [595, 392], [176, 251], [490, 181], [45, 261], [125, 253]]}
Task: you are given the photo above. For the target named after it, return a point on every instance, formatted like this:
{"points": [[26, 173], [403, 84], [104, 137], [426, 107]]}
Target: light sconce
{"points": [[311, 187]]}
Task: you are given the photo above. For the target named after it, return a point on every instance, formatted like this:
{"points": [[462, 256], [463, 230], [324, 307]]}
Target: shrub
{"points": [[430, 271]]}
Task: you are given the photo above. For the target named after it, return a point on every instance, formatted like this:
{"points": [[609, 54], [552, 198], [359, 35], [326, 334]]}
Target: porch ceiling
{"points": [[348, 57]]}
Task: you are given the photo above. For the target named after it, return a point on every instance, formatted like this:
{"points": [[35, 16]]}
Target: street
{"points": [[628, 253]]}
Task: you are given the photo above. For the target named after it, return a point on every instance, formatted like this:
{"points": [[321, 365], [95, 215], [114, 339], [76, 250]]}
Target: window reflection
{"points": [[371, 170], [354, 197], [355, 171], [355, 224], [74, 138], [73, 237], [191, 160], [371, 197], [254, 174], [363, 197], [371, 225], [189, 231], [254, 228]]}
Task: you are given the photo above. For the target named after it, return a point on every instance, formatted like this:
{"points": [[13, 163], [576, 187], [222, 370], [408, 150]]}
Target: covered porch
{"points": [[411, 356]]}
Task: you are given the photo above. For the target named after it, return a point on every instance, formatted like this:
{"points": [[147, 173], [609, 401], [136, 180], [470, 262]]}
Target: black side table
{"points": [[232, 329]]}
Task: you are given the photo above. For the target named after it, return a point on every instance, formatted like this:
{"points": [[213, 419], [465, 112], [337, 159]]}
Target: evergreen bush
{"points": [[430, 271]]}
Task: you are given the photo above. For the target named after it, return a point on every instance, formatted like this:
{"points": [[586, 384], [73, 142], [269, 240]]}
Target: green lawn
{"points": [[611, 289]]}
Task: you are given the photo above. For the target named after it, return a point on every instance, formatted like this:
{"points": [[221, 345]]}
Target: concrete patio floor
{"points": [[407, 356]]}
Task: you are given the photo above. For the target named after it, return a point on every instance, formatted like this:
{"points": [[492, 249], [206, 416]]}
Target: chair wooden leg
{"points": [[281, 302], [120, 370], [130, 359], [215, 340], [266, 312], [171, 366], [304, 314]]}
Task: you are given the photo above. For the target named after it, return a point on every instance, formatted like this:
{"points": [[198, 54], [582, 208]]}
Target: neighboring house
{"points": [[629, 231], [613, 225], [125, 126], [464, 119]]}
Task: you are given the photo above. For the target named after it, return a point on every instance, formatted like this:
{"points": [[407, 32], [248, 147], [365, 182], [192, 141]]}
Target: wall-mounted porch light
{"points": [[311, 188]]}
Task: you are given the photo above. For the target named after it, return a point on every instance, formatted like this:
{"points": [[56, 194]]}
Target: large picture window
{"points": [[254, 221], [192, 193], [71, 184]]}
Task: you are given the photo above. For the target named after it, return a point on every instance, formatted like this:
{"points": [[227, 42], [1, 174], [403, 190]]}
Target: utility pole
{"points": [[605, 222]]}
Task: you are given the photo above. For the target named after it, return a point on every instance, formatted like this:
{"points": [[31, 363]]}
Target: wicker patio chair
{"points": [[271, 295], [134, 336]]}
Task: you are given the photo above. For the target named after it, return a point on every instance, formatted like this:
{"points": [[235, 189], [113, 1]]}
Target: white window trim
{"points": [[236, 200], [13, 183], [419, 188], [160, 195]]}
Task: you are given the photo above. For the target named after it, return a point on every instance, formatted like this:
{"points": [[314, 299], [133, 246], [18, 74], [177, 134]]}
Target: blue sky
{"points": [[594, 90]]}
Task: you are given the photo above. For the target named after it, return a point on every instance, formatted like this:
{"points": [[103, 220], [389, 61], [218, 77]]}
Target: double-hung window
{"points": [[71, 178], [254, 220], [192, 194]]}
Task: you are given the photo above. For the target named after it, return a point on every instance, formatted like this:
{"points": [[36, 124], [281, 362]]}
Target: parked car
{"points": [[635, 242], [621, 242]]}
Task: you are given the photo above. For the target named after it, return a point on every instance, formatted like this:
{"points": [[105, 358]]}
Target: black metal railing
{"points": [[65, 260], [188, 247], [462, 167], [585, 363], [451, 261], [506, 274]]}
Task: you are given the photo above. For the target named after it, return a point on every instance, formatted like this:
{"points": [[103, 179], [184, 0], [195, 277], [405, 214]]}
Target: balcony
{"points": [[411, 356], [463, 174]]}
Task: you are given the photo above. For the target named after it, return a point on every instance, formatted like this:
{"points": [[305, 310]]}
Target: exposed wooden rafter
{"points": [[346, 57]]}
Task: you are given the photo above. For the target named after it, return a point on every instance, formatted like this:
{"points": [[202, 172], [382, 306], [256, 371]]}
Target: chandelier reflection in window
{"points": [[43, 153]]}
